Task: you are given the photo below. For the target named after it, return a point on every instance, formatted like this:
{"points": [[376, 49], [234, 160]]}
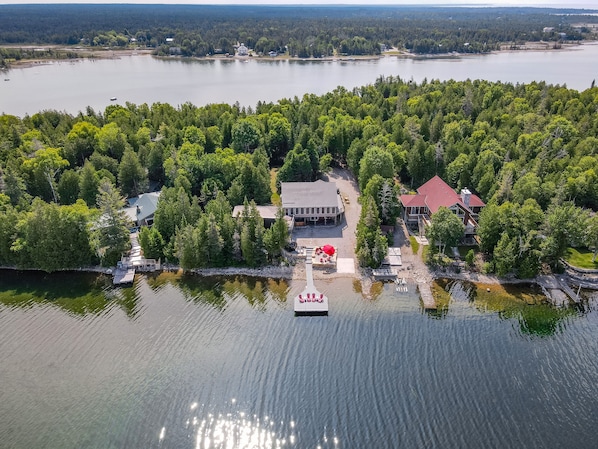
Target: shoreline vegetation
{"points": [[76, 53], [294, 33], [297, 273]]}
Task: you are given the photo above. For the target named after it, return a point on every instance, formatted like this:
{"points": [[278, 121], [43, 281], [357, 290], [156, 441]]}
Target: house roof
{"points": [[266, 212], [436, 193], [147, 203], [309, 194]]}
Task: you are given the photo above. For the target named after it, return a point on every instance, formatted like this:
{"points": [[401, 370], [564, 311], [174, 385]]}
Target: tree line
{"points": [[314, 31], [528, 150]]}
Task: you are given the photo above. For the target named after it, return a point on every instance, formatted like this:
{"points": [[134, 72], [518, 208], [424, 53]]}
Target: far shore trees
{"points": [[298, 31]]}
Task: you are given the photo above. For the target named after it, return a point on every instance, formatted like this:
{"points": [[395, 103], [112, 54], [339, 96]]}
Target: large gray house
{"points": [[312, 202], [140, 209]]}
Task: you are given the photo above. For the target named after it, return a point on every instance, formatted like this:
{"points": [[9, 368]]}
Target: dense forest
{"points": [[302, 31], [529, 150]]}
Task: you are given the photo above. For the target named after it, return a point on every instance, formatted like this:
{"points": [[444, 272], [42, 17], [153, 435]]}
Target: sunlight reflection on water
{"points": [[235, 430], [241, 430]]}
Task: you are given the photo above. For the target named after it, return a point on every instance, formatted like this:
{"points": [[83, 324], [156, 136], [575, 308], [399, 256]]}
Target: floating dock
{"points": [[310, 301]]}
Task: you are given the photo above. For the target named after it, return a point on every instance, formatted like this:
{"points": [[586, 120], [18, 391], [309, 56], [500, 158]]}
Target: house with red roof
{"points": [[435, 193]]}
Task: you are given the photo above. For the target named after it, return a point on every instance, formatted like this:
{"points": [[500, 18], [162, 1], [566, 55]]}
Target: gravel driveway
{"points": [[342, 236]]}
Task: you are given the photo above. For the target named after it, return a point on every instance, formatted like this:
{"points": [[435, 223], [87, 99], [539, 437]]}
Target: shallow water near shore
{"points": [[189, 362]]}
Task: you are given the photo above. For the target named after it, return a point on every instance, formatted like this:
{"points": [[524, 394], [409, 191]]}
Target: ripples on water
{"points": [[158, 365]]}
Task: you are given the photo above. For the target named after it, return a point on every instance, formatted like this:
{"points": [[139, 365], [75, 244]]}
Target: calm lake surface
{"points": [[72, 86], [181, 362]]}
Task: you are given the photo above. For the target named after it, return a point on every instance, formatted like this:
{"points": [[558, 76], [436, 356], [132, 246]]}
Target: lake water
{"points": [[180, 362], [72, 86]]}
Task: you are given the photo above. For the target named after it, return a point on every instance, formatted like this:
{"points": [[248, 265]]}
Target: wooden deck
{"points": [[557, 290], [323, 260], [123, 276], [384, 274], [425, 291]]}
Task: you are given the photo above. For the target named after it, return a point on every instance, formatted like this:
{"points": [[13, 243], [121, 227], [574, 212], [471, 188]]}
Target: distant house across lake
{"points": [[242, 50]]}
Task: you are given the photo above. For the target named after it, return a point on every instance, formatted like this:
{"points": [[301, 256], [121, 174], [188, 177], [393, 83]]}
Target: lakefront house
{"points": [[436, 193], [317, 202], [141, 209]]}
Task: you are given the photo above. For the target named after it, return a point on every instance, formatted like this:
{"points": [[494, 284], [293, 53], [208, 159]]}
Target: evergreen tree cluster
{"points": [[302, 31], [528, 150]]}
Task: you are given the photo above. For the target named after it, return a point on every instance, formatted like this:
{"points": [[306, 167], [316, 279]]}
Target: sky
{"points": [[540, 3]]}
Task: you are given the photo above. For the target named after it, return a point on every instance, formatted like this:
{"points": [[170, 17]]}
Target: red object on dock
{"points": [[328, 249]]}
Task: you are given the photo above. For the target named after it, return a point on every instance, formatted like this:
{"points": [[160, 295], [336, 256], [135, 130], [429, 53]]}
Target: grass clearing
{"points": [[581, 257], [414, 244], [425, 251], [275, 198]]}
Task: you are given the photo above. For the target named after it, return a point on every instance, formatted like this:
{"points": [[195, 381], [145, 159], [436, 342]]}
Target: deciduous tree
{"points": [[446, 229]]}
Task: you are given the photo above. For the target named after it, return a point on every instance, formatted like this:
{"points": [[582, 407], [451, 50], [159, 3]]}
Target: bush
{"points": [[390, 238], [488, 267], [470, 257]]}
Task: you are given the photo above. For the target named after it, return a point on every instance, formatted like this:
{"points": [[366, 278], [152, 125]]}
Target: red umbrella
{"points": [[328, 249]]}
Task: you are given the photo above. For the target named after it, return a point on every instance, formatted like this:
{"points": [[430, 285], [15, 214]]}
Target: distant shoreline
{"points": [[91, 54]]}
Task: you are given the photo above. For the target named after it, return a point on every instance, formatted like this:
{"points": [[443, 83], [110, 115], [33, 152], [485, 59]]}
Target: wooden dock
{"points": [[123, 276], [381, 274], [557, 290], [310, 301], [426, 295]]}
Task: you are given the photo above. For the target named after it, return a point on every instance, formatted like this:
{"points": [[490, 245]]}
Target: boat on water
{"points": [[112, 98]]}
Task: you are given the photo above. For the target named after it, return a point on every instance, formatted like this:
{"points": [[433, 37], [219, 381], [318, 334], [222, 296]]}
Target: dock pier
{"points": [[310, 301], [123, 276], [557, 290], [426, 295]]}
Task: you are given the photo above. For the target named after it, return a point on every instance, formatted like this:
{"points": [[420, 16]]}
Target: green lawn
{"points": [[414, 245], [425, 251], [581, 257], [275, 198]]}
